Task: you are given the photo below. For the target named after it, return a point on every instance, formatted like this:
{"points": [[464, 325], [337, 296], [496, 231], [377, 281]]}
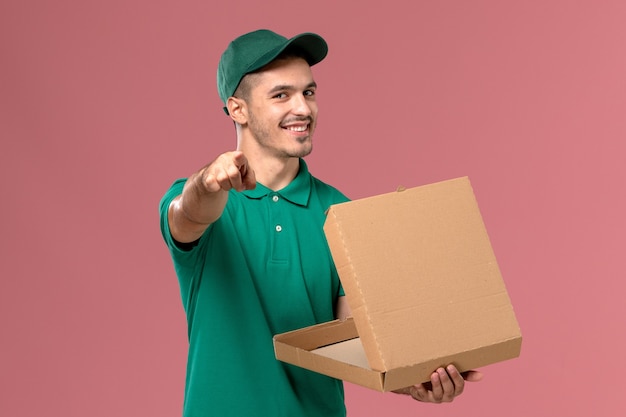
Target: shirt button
{"points": [[279, 228], [275, 198]]}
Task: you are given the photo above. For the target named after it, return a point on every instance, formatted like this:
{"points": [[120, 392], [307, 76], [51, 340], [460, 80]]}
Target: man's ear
{"points": [[237, 110]]}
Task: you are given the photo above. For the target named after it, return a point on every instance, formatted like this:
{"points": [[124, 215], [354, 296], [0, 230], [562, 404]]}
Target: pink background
{"points": [[103, 104]]}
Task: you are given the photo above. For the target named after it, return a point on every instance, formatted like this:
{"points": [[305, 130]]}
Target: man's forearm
{"points": [[195, 209]]}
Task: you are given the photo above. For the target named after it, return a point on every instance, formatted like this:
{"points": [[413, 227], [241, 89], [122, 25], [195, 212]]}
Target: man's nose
{"points": [[301, 105]]}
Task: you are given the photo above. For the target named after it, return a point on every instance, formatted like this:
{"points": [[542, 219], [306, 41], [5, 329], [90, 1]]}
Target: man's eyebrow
{"points": [[283, 87]]}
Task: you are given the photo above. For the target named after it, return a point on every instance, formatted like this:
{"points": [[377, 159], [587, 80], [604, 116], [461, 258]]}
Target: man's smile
{"points": [[300, 128]]}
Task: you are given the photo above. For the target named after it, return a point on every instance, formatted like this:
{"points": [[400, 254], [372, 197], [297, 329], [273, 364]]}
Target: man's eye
{"points": [[309, 93], [280, 95]]}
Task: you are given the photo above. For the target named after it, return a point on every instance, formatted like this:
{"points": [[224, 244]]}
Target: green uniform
{"points": [[263, 268]]}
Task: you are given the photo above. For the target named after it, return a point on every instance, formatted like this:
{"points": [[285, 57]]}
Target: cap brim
{"points": [[311, 45]]}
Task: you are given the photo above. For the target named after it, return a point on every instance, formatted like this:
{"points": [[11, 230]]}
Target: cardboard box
{"points": [[424, 288]]}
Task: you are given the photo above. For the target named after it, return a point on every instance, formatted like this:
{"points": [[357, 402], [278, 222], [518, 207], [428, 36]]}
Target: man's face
{"points": [[282, 111]]}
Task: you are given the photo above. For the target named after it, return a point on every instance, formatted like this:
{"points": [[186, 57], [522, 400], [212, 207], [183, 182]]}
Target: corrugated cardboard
{"points": [[423, 285]]}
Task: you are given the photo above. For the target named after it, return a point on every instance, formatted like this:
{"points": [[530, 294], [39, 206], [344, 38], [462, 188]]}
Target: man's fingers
{"points": [[444, 386], [248, 178], [456, 379], [211, 182], [437, 391], [448, 385], [233, 179], [230, 170]]}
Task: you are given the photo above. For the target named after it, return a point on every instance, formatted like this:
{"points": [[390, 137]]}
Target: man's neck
{"points": [[273, 171], [275, 174]]}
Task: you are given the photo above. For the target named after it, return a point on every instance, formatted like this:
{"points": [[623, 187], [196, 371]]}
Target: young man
{"points": [[245, 235]]}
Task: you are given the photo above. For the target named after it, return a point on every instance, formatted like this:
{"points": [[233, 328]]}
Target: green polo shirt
{"points": [[263, 268]]}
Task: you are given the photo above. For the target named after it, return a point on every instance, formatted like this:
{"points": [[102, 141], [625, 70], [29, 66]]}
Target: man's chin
{"points": [[303, 150], [306, 151], [300, 154]]}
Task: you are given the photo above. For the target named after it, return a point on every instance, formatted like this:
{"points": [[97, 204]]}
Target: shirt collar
{"points": [[297, 191]]}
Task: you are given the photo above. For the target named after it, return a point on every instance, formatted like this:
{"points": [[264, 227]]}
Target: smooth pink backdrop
{"points": [[103, 104]]}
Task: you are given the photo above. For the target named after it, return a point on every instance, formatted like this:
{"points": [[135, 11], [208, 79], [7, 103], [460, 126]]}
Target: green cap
{"points": [[254, 50]]}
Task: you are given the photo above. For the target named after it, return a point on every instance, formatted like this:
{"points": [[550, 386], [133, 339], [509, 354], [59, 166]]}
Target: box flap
{"points": [[313, 348], [419, 274]]}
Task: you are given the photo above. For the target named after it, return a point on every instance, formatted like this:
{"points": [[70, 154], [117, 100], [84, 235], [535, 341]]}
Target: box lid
{"points": [[419, 274]]}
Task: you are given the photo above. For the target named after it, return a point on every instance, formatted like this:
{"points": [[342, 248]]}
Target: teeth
{"points": [[297, 128]]}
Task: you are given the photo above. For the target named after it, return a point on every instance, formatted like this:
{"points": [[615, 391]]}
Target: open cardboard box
{"points": [[423, 285]]}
